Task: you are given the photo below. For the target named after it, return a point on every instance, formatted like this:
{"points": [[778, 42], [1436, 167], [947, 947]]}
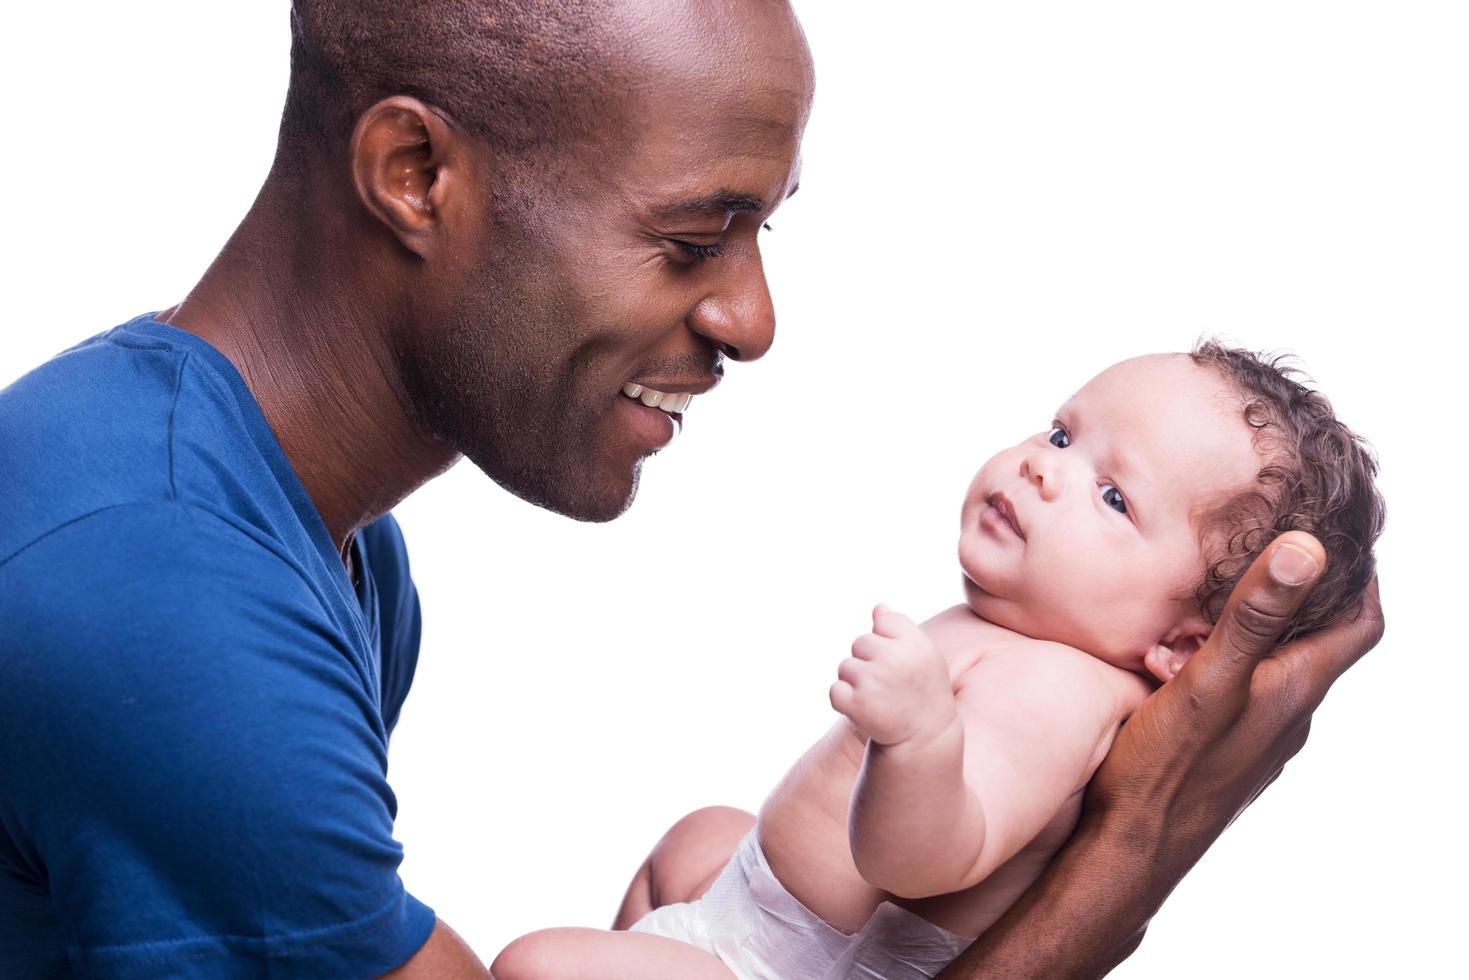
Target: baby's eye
{"points": [[1112, 497], [1058, 437]]}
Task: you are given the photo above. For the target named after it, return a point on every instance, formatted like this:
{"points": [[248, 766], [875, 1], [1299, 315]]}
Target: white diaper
{"points": [[761, 932]]}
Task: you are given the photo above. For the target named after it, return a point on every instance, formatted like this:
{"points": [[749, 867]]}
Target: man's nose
{"points": [[1043, 469], [738, 316]]}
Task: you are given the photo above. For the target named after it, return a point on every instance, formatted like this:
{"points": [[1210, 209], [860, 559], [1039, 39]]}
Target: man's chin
{"points": [[596, 511], [595, 498]]}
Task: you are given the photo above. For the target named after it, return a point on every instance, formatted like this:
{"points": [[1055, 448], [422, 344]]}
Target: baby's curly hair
{"points": [[1318, 477]]}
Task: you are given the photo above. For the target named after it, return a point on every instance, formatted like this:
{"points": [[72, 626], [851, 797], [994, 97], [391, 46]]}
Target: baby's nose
{"points": [[1042, 469]]}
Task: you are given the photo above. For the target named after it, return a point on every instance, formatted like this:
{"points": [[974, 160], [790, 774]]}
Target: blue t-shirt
{"points": [[195, 698]]}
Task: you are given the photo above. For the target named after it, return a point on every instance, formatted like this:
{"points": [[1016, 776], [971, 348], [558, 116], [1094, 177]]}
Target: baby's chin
{"points": [[994, 609]]}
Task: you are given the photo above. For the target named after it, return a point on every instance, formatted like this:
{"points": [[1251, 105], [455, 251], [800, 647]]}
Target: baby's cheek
{"points": [[1089, 603]]}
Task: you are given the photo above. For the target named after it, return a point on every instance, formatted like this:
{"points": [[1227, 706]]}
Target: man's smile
{"points": [[656, 413], [674, 403]]}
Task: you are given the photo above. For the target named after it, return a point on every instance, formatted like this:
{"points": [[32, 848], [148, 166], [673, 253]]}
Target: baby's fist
{"points": [[895, 687]]}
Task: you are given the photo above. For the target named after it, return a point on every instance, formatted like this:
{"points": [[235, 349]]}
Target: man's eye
{"points": [[699, 252], [1112, 497], [1058, 437]]}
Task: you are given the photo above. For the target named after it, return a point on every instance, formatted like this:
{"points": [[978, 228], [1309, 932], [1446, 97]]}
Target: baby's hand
{"points": [[895, 687]]}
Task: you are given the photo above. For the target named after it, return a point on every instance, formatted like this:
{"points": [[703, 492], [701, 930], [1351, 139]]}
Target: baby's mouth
{"points": [[1006, 510]]}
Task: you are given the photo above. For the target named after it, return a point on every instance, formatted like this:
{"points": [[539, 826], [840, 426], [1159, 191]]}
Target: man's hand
{"points": [[1187, 763], [895, 686], [1211, 741]]}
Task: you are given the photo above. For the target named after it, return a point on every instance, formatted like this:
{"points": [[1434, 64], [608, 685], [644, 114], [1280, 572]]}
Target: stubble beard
{"points": [[535, 438]]}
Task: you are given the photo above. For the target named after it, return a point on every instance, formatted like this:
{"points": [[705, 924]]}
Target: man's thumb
{"points": [[1262, 604]]}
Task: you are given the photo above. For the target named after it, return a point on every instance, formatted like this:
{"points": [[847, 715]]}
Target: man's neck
{"points": [[280, 302]]}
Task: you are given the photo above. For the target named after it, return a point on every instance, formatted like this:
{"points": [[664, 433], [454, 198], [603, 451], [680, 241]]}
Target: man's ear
{"points": [[401, 155], [1167, 657]]}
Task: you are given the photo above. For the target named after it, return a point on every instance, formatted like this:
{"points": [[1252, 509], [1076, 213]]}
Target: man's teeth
{"points": [[673, 404]]}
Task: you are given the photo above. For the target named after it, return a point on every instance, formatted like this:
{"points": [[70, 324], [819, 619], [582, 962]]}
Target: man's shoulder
{"points": [[140, 414], [167, 612], [87, 429], [166, 569]]}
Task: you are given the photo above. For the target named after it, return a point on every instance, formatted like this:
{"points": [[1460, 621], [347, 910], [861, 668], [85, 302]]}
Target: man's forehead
{"points": [[732, 73], [709, 126], [699, 34]]}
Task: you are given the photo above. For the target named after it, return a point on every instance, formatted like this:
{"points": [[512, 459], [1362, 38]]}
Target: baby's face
{"points": [[1104, 553]]}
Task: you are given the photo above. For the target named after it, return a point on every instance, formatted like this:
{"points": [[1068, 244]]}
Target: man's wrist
{"points": [[1086, 913]]}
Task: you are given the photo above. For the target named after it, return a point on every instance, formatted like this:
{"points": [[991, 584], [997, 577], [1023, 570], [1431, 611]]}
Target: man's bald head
{"points": [[585, 219], [522, 75]]}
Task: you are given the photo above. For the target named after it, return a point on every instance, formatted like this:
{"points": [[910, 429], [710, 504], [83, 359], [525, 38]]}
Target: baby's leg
{"points": [[685, 862], [591, 954]]}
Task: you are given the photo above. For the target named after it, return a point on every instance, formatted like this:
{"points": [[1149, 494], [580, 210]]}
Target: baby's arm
{"points": [[951, 788]]}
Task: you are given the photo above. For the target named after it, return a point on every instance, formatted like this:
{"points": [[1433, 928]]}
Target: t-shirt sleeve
{"points": [[192, 761]]}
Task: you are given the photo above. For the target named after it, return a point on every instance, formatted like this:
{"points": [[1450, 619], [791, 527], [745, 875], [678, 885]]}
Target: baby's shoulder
{"points": [[990, 662], [1044, 670]]}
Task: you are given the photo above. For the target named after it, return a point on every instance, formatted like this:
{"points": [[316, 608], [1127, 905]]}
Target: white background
{"points": [[998, 200]]}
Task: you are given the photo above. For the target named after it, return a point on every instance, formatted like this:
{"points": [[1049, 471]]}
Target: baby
{"points": [[1096, 555]]}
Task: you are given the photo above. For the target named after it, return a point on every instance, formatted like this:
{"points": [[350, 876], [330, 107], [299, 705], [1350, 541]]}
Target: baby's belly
{"points": [[803, 832]]}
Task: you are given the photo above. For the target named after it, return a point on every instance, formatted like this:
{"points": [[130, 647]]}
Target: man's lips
{"points": [[654, 426], [696, 385], [671, 396], [1006, 510]]}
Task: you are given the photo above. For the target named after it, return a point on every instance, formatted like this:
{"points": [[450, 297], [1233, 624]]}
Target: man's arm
{"points": [[444, 957], [1185, 765], [188, 745]]}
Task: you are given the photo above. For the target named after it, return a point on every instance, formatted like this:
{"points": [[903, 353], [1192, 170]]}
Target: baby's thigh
{"points": [[685, 862], [694, 851], [591, 954]]}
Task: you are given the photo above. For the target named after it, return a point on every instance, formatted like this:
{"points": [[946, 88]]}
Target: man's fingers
{"points": [[1360, 632], [1319, 658], [1267, 595]]}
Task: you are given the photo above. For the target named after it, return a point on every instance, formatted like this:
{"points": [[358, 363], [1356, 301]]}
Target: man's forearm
{"points": [[1082, 917]]}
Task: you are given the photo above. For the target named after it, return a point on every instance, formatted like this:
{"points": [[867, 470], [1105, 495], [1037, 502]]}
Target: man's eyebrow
{"points": [[720, 202]]}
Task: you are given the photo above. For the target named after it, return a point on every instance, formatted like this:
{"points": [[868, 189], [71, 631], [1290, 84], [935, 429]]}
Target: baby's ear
{"points": [[1167, 657]]}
